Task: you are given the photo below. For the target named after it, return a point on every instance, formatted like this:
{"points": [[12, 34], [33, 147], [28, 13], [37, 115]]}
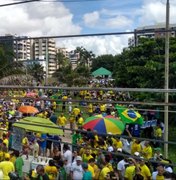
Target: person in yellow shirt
{"points": [[102, 108], [72, 122], [136, 146], [145, 171], [51, 170], [5, 140], [106, 169], [90, 109], [54, 106], [95, 168], [158, 135], [118, 143], [80, 121], [130, 170], [147, 150], [76, 111], [86, 155], [61, 121], [6, 166]]}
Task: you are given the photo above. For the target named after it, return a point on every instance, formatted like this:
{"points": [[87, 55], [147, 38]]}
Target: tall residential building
{"points": [[25, 49], [71, 55], [22, 49], [45, 49], [153, 31]]}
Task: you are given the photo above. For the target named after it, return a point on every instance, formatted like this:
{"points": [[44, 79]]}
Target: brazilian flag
{"points": [[129, 116]]}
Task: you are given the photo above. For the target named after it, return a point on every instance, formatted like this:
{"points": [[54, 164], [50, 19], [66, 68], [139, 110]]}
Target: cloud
{"points": [[106, 19], [153, 12], [90, 19], [118, 22], [98, 45], [37, 19]]}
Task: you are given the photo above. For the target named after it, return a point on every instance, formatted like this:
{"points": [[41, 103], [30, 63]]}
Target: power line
{"points": [[70, 1], [17, 3]]}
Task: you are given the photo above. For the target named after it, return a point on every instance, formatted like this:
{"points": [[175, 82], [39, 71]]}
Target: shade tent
{"points": [[101, 72], [37, 124]]}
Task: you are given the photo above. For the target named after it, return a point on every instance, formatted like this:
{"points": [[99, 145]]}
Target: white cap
{"points": [[136, 154], [78, 158], [119, 149], [110, 149]]}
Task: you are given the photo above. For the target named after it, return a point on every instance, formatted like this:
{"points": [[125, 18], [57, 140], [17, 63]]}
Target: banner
{"points": [[17, 137], [149, 123]]}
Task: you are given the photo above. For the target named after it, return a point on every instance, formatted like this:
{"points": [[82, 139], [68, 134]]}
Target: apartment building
{"points": [[71, 55], [153, 31], [45, 49], [31, 49]]}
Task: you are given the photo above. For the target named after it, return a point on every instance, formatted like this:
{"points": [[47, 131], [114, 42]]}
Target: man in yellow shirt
{"points": [[158, 135], [76, 111], [96, 170], [136, 146], [61, 121], [147, 150], [86, 155], [80, 121], [6, 166], [118, 143], [130, 170], [145, 171]]}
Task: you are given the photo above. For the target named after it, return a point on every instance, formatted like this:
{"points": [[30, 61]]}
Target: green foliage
{"points": [[143, 66], [85, 57], [107, 61], [9, 67], [36, 70]]}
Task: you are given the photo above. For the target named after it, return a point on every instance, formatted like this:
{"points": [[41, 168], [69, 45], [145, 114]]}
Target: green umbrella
{"points": [[37, 124], [129, 116]]}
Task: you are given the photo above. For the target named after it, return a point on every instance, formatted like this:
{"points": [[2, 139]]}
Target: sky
{"points": [[76, 17]]}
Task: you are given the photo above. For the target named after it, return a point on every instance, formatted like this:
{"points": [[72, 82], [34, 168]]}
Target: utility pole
{"points": [[46, 55], [166, 84]]}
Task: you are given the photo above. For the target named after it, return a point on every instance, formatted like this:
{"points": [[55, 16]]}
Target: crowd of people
{"points": [[88, 155]]}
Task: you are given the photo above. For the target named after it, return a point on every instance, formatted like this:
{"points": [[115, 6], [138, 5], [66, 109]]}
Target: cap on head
{"points": [[119, 149], [136, 153], [78, 158]]}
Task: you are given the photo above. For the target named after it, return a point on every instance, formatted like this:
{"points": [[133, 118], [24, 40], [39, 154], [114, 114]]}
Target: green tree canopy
{"points": [[107, 61]]}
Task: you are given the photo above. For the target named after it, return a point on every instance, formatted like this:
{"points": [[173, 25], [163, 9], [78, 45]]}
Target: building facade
{"points": [[153, 31], [45, 49], [71, 55]]}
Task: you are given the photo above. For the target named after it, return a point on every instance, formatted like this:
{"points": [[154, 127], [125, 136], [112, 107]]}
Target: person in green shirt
{"points": [[75, 138], [19, 164], [62, 171]]}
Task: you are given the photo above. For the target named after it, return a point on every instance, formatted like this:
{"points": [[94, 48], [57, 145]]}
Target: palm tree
{"points": [[85, 57], [36, 70]]}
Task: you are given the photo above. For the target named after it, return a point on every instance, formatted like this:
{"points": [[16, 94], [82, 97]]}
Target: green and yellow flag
{"points": [[129, 116]]}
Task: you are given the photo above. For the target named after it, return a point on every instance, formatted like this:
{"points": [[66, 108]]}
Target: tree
{"points": [[62, 61], [141, 66], [85, 57], [36, 70], [7, 66], [107, 61]]}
